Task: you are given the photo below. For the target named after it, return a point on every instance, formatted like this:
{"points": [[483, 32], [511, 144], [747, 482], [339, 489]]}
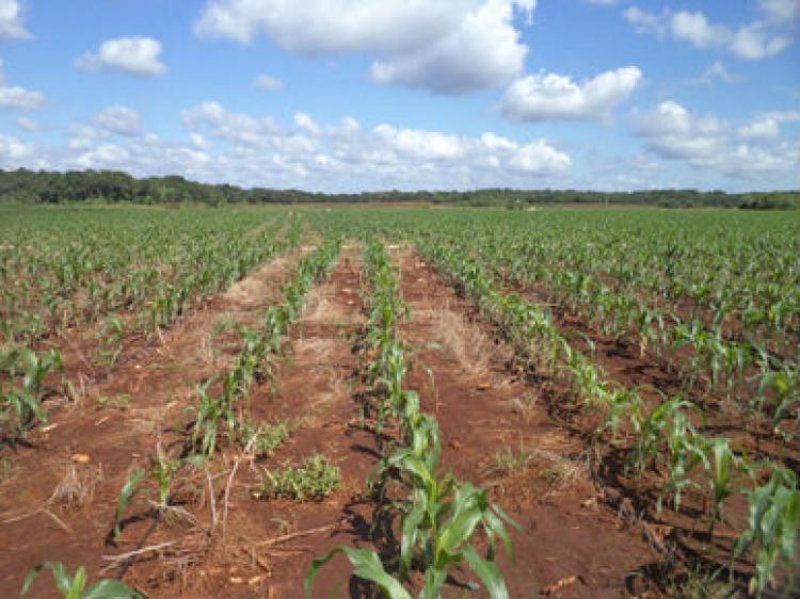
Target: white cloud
{"points": [[199, 142], [695, 28], [134, 55], [483, 52], [15, 96], [766, 127], [346, 155], [557, 97], [718, 71], [447, 46], [268, 83], [241, 129], [12, 150], [647, 23], [120, 120], [783, 116], [780, 11], [427, 145], [11, 27], [761, 129], [104, 156], [306, 123], [757, 40], [539, 158], [27, 124], [670, 131]]}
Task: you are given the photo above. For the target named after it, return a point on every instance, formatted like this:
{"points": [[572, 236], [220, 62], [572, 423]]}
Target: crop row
{"points": [[658, 437], [740, 368], [439, 517], [79, 274], [221, 414]]}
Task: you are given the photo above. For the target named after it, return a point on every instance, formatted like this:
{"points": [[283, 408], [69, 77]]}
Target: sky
{"points": [[363, 95]]}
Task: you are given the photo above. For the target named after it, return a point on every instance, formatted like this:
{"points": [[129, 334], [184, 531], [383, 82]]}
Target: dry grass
{"points": [[554, 470], [253, 289], [465, 341], [524, 405], [76, 489]]}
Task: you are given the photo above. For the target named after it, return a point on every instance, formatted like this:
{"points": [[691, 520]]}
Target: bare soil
{"points": [[147, 394], [486, 413], [499, 429]]}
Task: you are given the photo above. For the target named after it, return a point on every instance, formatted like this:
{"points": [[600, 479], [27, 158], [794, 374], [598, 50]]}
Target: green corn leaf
{"points": [[126, 495], [60, 577], [488, 572], [110, 589], [457, 531], [366, 565], [78, 582], [434, 581], [410, 534], [495, 526]]}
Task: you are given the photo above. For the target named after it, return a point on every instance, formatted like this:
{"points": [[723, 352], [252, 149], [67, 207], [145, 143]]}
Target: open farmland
{"points": [[445, 402]]}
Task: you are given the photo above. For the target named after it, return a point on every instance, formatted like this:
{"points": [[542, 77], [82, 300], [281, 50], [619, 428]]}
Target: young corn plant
{"points": [[440, 519], [74, 586], [163, 476], [772, 533], [21, 404]]}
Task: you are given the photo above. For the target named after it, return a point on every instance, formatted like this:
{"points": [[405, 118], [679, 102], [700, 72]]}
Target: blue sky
{"points": [[351, 95]]}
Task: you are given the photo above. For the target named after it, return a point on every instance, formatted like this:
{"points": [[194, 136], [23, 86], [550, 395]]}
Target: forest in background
{"points": [[43, 187]]}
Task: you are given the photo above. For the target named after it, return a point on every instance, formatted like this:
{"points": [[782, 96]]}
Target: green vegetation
{"points": [[440, 517], [709, 298], [30, 187], [313, 480], [74, 587]]}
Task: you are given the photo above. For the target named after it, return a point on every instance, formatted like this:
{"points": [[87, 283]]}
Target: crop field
{"points": [[404, 402]]}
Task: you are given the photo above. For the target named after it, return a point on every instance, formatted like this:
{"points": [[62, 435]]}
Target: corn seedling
{"points": [[74, 586]]}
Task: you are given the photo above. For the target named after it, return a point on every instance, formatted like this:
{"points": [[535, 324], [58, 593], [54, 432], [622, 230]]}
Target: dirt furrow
{"points": [[497, 434], [115, 425], [268, 544]]}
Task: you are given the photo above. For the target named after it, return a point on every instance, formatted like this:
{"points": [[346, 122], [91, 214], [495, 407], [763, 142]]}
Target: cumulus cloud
{"points": [[780, 11], [239, 128], [347, 155], [484, 51], [756, 42], [672, 132], [134, 55], [540, 157], [718, 72], [11, 27], [549, 96], [447, 46], [339, 156], [15, 96], [695, 28], [120, 120], [268, 83], [27, 124], [13, 150], [760, 39], [761, 129]]}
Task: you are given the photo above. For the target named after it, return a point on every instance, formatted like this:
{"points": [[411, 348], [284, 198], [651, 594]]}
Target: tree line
{"points": [[43, 187]]}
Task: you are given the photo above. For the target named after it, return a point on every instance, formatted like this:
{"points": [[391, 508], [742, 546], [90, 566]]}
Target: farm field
{"points": [[438, 402]]}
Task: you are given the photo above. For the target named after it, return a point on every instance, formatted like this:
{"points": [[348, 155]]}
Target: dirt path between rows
{"points": [[103, 443], [268, 545], [497, 433]]}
